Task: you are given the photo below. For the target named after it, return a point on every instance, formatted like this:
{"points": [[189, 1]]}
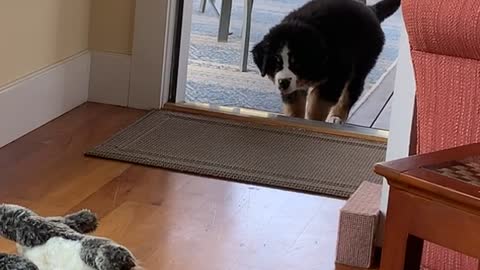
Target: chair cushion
{"points": [[448, 27]]}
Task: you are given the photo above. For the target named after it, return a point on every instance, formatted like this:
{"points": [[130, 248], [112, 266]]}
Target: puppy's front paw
{"points": [[334, 120]]}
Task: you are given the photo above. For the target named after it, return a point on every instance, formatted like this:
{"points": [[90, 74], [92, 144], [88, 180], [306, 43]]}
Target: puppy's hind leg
{"points": [[353, 89], [350, 94], [317, 107], [339, 113], [326, 95], [294, 104]]}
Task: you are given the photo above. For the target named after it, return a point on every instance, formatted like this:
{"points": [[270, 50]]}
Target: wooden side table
{"points": [[433, 197]]}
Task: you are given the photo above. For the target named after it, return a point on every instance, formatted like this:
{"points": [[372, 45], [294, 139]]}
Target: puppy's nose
{"points": [[283, 84]]}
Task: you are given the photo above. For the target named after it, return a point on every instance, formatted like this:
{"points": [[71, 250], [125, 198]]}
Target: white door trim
{"points": [[401, 119], [184, 51], [109, 78], [170, 24], [151, 53]]}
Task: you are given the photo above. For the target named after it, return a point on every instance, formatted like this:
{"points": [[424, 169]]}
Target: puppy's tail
{"points": [[385, 8]]}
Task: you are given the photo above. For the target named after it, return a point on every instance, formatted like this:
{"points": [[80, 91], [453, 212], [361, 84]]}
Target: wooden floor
{"points": [[169, 220]]}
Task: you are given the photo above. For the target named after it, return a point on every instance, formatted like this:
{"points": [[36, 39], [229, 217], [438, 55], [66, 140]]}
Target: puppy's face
{"points": [[291, 56]]}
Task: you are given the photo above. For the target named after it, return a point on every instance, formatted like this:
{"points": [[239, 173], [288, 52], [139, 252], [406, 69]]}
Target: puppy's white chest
{"points": [[57, 254]]}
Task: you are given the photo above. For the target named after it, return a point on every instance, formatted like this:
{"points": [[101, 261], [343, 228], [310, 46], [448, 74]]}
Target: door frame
{"points": [[153, 71], [155, 49], [155, 62]]}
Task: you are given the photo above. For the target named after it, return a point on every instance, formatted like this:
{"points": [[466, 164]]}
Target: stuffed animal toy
{"points": [[59, 243]]}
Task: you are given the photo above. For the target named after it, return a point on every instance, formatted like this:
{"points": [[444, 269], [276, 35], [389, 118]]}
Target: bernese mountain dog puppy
{"points": [[319, 55]]}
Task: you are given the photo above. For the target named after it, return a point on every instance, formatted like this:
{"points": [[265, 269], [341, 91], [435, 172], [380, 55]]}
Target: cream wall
{"points": [[38, 33], [111, 28]]}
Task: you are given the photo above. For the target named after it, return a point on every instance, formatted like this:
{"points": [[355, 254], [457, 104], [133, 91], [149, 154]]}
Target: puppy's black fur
{"points": [[332, 43]]}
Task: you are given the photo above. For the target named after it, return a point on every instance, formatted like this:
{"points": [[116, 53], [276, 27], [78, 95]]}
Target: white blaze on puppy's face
{"points": [[285, 73]]}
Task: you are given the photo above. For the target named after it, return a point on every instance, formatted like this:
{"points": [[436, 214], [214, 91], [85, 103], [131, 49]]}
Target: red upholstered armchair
{"points": [[445, 46]]}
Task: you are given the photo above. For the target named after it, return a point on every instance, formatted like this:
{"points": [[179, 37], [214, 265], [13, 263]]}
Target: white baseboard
{"points": [[40, 97], [109, 78]]}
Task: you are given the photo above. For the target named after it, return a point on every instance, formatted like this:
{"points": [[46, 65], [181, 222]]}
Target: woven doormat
{"points": [[245, 152]]}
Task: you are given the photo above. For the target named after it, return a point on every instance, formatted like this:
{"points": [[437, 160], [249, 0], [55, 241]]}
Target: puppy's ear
{"points": [[260, 52]]}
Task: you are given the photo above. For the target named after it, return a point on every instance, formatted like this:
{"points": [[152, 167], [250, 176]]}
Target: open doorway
{"points": [[216, 67]]}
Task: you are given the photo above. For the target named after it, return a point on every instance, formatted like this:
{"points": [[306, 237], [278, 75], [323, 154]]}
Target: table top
{"points": [[466, 170], [452, 173]]}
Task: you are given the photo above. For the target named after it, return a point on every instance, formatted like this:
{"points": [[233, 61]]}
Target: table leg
{"points": [[224, 26], [247, 21], [401, 251], [203, 5], [413, 253]]}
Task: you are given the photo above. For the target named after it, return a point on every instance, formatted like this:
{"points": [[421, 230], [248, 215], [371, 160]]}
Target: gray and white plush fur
{"points": [[59, 243], [15, 262]]}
